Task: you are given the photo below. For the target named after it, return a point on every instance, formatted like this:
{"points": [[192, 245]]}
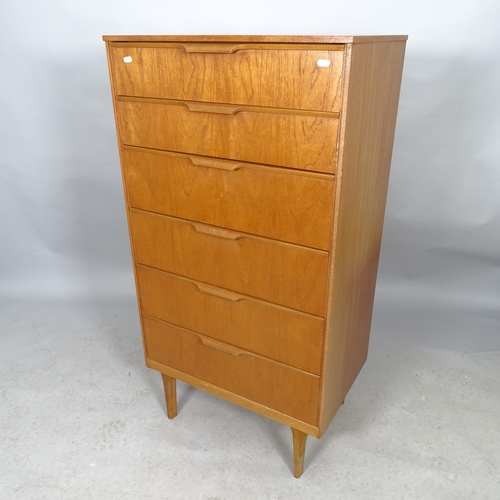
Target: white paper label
{"points": [[323, 63], [127, 59]]}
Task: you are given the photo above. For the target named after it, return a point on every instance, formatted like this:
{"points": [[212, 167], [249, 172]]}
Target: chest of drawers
{"points": [[255, 172]]}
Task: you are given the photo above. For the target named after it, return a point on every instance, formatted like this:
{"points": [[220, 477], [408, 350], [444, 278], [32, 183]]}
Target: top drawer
{"points": [[277, 75]]}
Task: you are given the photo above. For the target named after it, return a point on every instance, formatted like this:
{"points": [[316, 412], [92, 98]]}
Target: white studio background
{"points": [[62, 218]]}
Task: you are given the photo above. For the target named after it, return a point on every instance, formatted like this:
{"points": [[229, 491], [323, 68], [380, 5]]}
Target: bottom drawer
{"points": [[282, 388]]}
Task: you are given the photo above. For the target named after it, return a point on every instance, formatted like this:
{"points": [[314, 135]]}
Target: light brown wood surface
{"points": [[367, 135], [299, 451], [277, 203], [281, 334], [282, 273], [229, 47], [283, 418], [256, 38], [269, 383], [170, 389], [286, 78], [125, 193], [306, 142], [255, 184]]}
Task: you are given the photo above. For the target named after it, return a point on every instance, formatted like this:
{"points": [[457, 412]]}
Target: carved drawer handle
{"points": [[216, 231], [211, 107], [211, 48], [221, 346], [219, 292], [199, 161]]}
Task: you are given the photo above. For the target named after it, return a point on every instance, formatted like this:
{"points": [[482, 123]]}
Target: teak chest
{"points": [[255, 172]]}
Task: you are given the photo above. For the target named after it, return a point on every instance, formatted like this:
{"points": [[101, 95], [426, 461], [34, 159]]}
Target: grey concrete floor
{"points": [[81, 417]]}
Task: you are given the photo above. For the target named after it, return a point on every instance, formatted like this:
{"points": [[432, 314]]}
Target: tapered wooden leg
{"points": [[299, 450], [169, 385]]}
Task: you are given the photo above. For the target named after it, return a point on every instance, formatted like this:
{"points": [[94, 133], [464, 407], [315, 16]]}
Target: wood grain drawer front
{"points": [[282, 273], [256, 76], [286, 336], [262, 200], [287, 140], [287, 390]]}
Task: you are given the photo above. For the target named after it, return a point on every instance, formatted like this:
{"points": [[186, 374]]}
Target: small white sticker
{"points": [[128, 59], [323, 63]]}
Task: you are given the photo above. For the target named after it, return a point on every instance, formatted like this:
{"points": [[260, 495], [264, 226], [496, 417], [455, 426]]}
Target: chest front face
{"points": [[232, 153]]}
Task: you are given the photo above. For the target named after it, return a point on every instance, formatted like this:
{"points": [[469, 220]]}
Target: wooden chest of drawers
{"points": [[255, 172]]}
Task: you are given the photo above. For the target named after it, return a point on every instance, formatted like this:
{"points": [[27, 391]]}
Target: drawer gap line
{"points": [[245, 352], [244, 164], [244, 234], [250, 298], [239, 108], [236, 46]]}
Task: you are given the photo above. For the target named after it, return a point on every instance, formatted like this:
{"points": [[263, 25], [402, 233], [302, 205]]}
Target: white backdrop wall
{"points": [[62, 220]]}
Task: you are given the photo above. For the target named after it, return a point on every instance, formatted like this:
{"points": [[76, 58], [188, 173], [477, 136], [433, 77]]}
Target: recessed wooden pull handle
{"points": [[221, 346], [216, 231], [211, 48], [219, 292], [199, 161], [211, 107]]}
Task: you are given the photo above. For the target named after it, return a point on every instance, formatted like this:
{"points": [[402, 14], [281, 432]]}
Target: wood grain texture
{"points": [[250, 287], [286, 274], [286, 78], [230, 48], [277, 203], [277, 386], [367, 133], [125, 194], [304, 142], [311, 430], [299, 451], [170, 389], [280, 334], [255, 38]]}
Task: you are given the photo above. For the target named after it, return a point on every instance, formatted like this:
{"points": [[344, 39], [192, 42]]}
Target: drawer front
{"points": [[284, 389], [282, 273], [291, 338], [287, 140], [260, 76], [266, 201]]}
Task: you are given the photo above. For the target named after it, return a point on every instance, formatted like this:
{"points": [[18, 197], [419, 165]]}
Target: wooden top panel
{"points": [[254, 38]]}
